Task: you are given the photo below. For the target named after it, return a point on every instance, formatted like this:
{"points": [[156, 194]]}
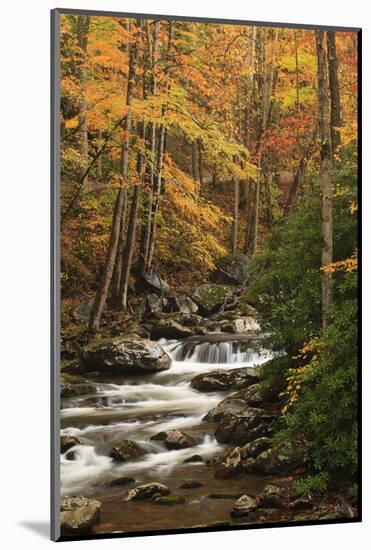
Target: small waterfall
{"points": [[213, 352], [138, 407]]}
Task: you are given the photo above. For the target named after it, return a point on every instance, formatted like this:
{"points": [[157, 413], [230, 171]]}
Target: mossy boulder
{"points": [[210, 297], [280, 459], [121, 355], [239, 428], [239, 459], [234, 268]]}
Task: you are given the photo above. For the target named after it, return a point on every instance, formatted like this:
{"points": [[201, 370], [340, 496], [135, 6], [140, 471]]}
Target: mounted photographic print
{"points": [[205, 191]]}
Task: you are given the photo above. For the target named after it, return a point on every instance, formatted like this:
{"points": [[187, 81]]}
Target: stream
{"points": [[139, 407]]}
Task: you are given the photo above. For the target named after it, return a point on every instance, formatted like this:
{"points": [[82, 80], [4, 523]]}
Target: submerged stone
{"points": [[147, 492]]}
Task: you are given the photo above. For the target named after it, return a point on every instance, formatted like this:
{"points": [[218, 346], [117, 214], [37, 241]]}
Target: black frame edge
{"points": [[54, 268], [55, 534]]}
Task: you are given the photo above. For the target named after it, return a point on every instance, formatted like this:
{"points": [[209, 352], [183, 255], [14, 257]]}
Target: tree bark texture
{"points": [[325, 151]]}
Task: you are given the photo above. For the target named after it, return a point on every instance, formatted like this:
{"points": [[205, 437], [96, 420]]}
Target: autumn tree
{"points": [[325, 172], [120, 204]]}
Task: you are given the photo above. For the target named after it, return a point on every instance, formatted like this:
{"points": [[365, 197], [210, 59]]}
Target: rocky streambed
{"points": [[176, 433], [183, 432]]}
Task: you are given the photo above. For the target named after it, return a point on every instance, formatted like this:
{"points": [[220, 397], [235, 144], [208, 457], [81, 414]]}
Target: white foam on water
{"points": [[85, 471], [141, 407]]}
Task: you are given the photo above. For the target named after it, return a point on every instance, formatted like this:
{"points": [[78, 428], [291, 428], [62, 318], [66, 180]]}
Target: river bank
{"points": [[203, 482]]}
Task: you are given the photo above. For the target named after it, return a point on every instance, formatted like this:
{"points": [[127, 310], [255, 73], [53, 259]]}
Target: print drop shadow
{"points": [[41, 528]]}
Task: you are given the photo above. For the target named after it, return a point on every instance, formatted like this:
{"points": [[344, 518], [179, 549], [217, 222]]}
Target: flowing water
{"points": [[139, 407]]}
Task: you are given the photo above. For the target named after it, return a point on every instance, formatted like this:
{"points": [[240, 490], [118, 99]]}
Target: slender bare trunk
{"points": [[128, 252], [194, 160], [334, 90], [266, 82], [156, 195], [236, 200], [100, 158], [158, 176], [116, 276], [248, 215], [129, 248], [249, 184], [82, 31], [102, 292], [325, 140], [200, 165], [152, 45]]}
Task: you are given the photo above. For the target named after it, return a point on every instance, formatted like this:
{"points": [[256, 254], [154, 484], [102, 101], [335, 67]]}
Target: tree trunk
{"points": [[200, 169], [102, 292], [235, 214], [82, 31], [158, 176], [325, 140], [266, 84], [152, 45], [116, 277], [268, 180], [248, 122], [334, 90], [100, 158], [194, 160], [248, 216], [127, 255], [156, 195]]}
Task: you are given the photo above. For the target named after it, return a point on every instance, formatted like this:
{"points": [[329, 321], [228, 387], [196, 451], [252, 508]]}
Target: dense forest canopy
{"points": [[223, 135], [184, 143]]}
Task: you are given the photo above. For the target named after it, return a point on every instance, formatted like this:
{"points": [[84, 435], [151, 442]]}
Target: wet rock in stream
{"points": [[243, 506], [148, 491], [221, 380], [239, 459], [174, 439], [120, 481], [190, 485], [121, 355], [69, 441], [241, 427], [169, 500], [280, 460], [125, 450], [78, 514], [193, 458]]}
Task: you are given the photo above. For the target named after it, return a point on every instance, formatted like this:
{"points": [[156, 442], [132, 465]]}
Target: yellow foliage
{"points": [[349, 265]]}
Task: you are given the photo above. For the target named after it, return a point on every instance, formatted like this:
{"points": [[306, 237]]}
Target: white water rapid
{"points": [[137, 408]]}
